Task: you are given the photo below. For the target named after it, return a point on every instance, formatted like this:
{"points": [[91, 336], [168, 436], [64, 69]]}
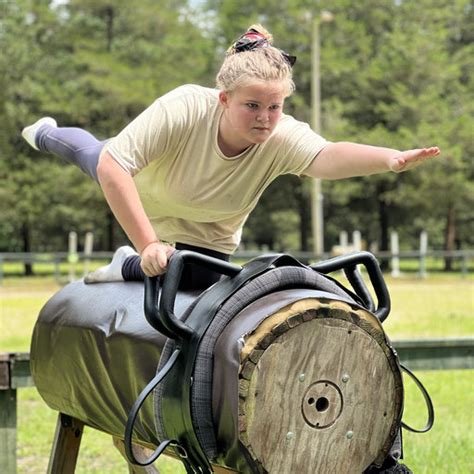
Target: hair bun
{"points": [[258, 28], [255, 37]]}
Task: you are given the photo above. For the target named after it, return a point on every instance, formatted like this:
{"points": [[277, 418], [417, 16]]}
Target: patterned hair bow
{"points": [[254, 40]]}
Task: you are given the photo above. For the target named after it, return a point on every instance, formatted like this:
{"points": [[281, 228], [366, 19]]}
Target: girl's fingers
{"points": [[412, 158]]}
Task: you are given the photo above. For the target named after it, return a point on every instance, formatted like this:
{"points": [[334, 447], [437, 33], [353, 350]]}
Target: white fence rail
{"points": [[464, 259]]}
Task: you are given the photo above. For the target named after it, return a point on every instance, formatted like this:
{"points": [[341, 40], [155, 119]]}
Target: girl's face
{"points": [[251, 113]]}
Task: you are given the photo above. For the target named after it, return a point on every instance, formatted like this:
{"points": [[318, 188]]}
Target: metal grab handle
{"points": [[151, 302], [348, 263], [152, 313], [355, 279], [162, 316]]}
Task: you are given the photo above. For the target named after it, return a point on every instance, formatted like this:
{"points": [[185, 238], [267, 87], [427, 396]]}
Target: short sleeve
{"points": [[152, 134], [300, 143]]}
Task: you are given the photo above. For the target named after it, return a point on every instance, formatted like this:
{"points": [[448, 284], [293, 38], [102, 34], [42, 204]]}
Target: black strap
{"points": [[176, 405], [429, 404], [134, 413]]}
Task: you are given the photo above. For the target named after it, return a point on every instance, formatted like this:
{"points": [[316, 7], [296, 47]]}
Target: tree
{"points": [[394, 73], [434, 105], [92, 64]]}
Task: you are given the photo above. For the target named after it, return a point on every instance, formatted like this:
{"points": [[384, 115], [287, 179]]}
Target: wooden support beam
{"points": [[8, 417], [66, 444], [8, 433], [436, 354]]}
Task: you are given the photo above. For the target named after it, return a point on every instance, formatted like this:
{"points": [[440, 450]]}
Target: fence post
{"points": [[343, 240], [356, 240], [57, 268], [72, 257], [88, 245], [395, 250], [423, 251], [464, 266]]}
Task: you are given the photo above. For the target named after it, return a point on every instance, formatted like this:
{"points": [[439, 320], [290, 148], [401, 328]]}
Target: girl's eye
{"points": [[275, 107], [251, 105]]}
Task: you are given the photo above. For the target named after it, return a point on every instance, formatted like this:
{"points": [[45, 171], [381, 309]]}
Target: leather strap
{"points": [[429, 404], [176, 406]]}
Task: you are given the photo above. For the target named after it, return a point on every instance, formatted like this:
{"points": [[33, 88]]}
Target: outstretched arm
{"points": [[345, 160], [124, 201]]}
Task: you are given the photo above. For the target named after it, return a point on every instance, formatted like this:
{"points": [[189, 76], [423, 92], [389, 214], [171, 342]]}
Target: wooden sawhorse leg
{"points": [[8, 431], [66, 444], [140, 453]]}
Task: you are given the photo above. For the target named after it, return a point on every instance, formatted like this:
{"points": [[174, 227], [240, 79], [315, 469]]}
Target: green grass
{"points": [[439, 306], [449, 446], [47, 268], [97, 454], [434, 307]]}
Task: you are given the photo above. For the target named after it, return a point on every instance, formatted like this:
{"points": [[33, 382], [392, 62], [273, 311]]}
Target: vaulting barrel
{"points": [[276, 368]]}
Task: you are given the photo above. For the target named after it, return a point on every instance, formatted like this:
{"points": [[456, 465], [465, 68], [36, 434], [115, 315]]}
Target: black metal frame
{"points": [[187, 335], [348, 263]]}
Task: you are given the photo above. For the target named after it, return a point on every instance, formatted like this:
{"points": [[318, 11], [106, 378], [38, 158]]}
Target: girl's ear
{"points": [[224, 98]]}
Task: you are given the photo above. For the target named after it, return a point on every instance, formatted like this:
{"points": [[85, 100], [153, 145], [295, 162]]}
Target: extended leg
{"points": [[75, 145], [125, 266]]}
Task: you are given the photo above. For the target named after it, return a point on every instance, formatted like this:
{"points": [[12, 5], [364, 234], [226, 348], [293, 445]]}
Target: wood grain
{"points": [[320, 390]]}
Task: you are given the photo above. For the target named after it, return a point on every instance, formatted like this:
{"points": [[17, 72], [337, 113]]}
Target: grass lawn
{"points": [[97, 455], [439, 306], [449, 446]]}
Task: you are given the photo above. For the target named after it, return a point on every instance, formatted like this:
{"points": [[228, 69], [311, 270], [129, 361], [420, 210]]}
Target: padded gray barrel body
{"points": [[93, 351]]}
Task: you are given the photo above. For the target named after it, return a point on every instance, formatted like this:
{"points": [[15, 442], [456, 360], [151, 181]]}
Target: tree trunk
{"points": [[450, 241], [26, 238], [304, 214], [109, 20], [383, 223]]}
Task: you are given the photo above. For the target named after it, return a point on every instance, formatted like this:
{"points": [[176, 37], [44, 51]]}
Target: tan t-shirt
{"points": [[191, 192]]}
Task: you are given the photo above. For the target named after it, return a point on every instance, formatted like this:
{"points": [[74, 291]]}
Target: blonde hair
{"points": [[263, 63]]}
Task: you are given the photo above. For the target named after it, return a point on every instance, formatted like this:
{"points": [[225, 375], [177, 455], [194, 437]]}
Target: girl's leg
{"points": [[125, 266], [75, 145], [124, 258], [194, 277]]}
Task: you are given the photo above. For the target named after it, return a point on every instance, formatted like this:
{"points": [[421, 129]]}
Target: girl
{"points": [[187, 172]]}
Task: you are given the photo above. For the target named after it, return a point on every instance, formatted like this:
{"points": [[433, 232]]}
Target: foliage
{"points": [[90, 64], [394, 73], [406, 96]]}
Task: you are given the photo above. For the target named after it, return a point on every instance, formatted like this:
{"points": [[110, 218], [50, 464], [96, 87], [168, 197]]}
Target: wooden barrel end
{"points": [[320, 390]]}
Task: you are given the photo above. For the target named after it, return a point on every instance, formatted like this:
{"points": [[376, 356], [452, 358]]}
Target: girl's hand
{"points": [[406, 160], [155, 258]]}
